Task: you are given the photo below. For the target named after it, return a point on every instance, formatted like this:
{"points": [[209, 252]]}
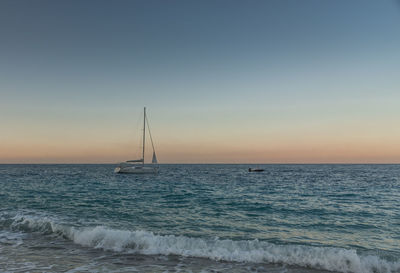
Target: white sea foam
{"points": [[144, 242]]}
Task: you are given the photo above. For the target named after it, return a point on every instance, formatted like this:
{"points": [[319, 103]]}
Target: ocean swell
{"points": [[148, 243]]}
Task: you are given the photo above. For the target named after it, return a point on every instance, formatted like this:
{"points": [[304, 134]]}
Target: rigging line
{"points": [[144, 132], [138, 136], [151, 138]]}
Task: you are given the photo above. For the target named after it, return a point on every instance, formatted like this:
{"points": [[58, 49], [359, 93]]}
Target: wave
{"points": [[148, 243]]}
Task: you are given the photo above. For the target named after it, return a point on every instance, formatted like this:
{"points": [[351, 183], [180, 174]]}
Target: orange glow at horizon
{"points": [[238, 141], [277, 150]]}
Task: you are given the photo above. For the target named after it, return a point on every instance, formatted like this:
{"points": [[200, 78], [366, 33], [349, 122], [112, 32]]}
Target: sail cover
{"points": [[136, 160], [154, 160]]}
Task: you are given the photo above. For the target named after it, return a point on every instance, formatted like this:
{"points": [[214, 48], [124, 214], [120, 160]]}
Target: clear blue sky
{"points": [[299, 78]]}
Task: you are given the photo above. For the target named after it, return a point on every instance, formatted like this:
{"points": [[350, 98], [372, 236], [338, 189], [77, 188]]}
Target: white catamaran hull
{"points": [[137, 169]]}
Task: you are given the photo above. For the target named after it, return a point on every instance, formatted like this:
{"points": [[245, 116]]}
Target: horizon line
{"points": [[219, 163]]}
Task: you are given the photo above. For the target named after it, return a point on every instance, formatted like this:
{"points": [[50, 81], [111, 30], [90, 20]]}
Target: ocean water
{"points": [[200, 218]]}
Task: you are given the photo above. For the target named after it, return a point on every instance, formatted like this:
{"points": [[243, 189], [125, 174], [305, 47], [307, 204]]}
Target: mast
{"points": [[144, 132]]}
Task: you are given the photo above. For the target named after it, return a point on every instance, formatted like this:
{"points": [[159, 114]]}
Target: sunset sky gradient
{"points": [[224, 81]]}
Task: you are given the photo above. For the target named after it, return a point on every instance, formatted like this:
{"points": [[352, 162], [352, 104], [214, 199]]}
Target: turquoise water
{"points": [[200, 218]]}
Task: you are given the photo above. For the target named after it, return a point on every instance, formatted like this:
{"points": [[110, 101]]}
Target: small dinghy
{"points": [[255, 170]]}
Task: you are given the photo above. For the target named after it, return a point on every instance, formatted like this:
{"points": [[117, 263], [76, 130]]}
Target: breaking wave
{"points": [[148, 243]]}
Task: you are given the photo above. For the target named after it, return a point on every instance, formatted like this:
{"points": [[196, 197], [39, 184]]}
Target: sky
{"points": [[282, 81]]}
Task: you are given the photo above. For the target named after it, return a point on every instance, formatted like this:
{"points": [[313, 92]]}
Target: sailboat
{"points": [[137, 166]]}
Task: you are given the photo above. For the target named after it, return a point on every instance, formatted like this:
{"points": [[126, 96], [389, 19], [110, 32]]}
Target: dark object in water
{"points": [[255, 170]]}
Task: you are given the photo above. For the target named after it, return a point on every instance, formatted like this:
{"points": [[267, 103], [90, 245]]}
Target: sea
{"points": [[200, 218]]}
